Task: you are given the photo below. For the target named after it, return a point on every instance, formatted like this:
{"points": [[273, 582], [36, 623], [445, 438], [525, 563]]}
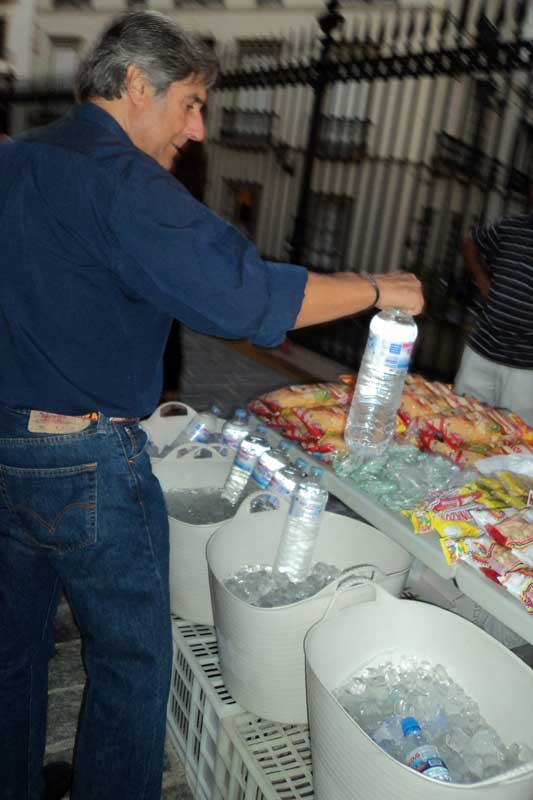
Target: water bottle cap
{"points": [[241, 413], [409, 724], [285, 445], [262, 429], [317, 472], [301, 463], [216, 410]]}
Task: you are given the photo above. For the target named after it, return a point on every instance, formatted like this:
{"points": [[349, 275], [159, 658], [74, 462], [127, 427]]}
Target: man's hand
{"points": [[400, 290]]}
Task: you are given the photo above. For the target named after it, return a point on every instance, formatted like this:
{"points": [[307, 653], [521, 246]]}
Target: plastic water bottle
{"points": [[249, 451], [379, 386], [301, 465], [236, 429], [285, 481], [297, 543], [202, 427], [268, 464], [421, 754]]}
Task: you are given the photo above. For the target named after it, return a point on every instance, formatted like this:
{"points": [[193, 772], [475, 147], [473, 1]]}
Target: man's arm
{"points": [[477, 266], [328, 297]]}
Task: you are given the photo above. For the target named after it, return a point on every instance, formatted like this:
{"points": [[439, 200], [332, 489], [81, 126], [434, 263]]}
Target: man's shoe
{"points": [[57, 779]]}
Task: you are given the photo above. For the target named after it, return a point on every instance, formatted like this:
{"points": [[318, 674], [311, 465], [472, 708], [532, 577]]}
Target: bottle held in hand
{"points": [[380, 382]]}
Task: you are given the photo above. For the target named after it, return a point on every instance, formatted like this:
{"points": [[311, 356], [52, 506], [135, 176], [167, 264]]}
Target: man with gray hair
{"points": [[101, 249]]}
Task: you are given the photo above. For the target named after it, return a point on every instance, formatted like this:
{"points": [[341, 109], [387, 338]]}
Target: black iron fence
{"points": [[371, 142]]}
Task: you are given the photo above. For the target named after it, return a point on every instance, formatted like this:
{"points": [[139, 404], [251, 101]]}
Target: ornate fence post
{"points": [[328, 23]]}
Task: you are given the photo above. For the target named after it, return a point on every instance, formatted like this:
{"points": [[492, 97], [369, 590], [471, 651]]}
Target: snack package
{"points": [[307, 395], [520, 585], [291, 427], [459, 429], [323, 419], [328, 444], [262, 410], [515, 531]]}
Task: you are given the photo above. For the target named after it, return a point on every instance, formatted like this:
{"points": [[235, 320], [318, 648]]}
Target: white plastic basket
{"points": [[163, 427], [347, 764], [261, 760], [261, 649], [197, 704], [189, 584]]}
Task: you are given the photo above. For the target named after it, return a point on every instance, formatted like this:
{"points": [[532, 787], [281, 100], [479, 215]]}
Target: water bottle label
{"points": [[246, 461], [200, 433], [425, 759], [261, 475], [232, 439], [385, 354], [311, 509]]}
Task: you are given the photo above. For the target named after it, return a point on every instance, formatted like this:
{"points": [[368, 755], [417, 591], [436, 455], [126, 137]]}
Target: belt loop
{"points": [[101, 425]]}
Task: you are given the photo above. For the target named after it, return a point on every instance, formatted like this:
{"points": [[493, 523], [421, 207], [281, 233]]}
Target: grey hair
{"points": [[156, 44]]}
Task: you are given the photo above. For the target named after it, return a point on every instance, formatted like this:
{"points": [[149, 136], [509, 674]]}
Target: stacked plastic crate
{"points": [[228, 754]]}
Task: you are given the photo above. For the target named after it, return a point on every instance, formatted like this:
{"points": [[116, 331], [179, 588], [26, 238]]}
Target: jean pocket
{"points": [[50, 508]]}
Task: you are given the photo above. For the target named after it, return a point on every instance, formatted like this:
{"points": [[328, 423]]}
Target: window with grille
{"points": [[253, 54], [327, 231]]}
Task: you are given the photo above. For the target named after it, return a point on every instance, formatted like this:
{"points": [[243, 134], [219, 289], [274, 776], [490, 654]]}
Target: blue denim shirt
{"points": [[99, 249]]}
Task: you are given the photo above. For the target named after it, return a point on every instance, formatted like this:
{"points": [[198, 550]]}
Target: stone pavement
{"points": [[211, 372]]}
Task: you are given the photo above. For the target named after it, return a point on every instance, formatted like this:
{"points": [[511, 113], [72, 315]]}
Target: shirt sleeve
{"points": [[177, 254]]}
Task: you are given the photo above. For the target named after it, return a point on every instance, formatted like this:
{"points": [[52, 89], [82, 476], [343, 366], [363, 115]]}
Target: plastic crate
{"points": [[197, 703], [262, 760]]}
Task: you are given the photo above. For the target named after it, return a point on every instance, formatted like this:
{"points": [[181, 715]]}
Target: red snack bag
{"points": [[324, 419]]}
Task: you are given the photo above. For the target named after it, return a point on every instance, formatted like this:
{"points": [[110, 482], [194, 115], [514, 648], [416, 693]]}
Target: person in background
{"points": [[190, 168], [117, 248], [497, 363]]}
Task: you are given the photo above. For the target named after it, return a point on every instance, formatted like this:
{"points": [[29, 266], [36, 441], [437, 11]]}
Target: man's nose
{"points": [[196, 127]]}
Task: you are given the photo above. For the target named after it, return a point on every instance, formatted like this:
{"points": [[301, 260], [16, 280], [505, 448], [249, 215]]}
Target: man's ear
{"points": [[137, 85]]}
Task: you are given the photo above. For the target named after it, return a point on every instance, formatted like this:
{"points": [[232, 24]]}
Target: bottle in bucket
{"points": [[297, 543], [249, 451], [268, 464], [236, 429], [380, 382], [286, 479], [421, 754]]}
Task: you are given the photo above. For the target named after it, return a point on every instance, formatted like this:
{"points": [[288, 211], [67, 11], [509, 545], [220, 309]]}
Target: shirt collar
{"points": [[97, 116]]}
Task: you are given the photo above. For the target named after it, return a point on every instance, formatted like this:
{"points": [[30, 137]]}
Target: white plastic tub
{"points": [[189, 584], [261, 649], [164, 426], [347, 764]]}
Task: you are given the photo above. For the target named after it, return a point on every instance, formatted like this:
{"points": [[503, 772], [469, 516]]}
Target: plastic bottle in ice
{"points": [[297, 543], [380, 381], [268, 464], [202, 428], [236, 429], [249, 451], [421, 754], [285, 481]]}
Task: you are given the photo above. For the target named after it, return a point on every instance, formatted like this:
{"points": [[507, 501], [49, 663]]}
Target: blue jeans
{"points": [[83, 513]]}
